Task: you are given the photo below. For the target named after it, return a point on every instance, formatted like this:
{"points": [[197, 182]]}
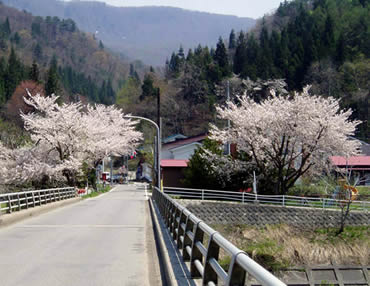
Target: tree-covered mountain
{"points": [[146, 33], [325, 43], [55, 53]]}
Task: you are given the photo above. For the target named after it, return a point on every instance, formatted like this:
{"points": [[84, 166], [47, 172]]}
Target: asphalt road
{"points": [[106, 240]]}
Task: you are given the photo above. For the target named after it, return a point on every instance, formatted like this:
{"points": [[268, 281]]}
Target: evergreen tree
{"points": [[221, 58], [13, 75], [174, 65], [37, 52], [232, 40], [240, 54], [34, 72], [190, 56], [6, 28], [329, 36], [148, 89], [52, 81]]}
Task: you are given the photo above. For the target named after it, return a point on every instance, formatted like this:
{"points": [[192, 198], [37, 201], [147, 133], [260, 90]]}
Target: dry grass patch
{"points": [[280, 246]]}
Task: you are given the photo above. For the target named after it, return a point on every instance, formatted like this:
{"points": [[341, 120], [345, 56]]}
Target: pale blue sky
{"points": [[241, 8]]}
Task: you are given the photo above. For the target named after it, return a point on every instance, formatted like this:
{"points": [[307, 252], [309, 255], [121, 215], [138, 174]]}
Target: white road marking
{"points": [[80, 226]]}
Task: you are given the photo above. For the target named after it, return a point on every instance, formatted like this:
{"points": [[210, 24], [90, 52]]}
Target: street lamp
{"points": [[158, 145]]}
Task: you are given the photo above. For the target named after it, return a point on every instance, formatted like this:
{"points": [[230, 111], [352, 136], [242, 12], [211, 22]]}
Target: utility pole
{"points": [[159, 140]]}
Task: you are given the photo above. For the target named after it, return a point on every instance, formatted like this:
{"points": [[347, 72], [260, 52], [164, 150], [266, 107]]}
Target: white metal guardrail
{"points": [[282, 200], [23, 200], [190, 234]]}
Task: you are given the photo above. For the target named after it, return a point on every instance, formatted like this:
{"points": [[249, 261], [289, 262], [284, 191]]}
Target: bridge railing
{"points": [[200, 245], [23, 200], [282, 200]]}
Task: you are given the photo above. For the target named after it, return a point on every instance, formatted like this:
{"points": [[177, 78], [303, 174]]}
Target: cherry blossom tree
{"points": [[64, 137], [286, 137]]}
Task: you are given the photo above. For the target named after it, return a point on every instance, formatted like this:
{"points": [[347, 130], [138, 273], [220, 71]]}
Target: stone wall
{"points": [[260, 215]]}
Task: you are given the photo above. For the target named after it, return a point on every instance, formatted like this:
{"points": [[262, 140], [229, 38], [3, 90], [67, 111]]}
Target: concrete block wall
{"points": [[260, 215]]}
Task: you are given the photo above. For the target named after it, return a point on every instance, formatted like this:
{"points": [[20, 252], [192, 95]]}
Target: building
{"points": [[175, 155], [359, 166]]}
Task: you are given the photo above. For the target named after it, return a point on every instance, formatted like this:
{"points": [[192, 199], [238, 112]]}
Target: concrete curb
{"points": [[174, 271], [14, 217]]}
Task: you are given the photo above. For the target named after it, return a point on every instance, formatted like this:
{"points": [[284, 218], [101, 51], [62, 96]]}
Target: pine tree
{"points": [[232, 40], [13, 75], [6, 28], [52, 81], [37, 51], [240, 54], [147, 88], [221, 58], [34, 72]]}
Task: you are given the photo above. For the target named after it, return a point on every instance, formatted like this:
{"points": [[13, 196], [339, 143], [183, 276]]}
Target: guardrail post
{"points": [[195, 252], [236, 273], [323, 203], [283, 200], [202, 195], [19, 202], [180, 230], [243, 197], [26, 196], [33, 199], [9, 204], [189, 225], [213, 250], [40, 202], [174, 225]]}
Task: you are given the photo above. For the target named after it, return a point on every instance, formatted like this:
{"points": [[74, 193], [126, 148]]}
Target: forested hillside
{"points": [[56, 54], [325, 43], [145, 33]]}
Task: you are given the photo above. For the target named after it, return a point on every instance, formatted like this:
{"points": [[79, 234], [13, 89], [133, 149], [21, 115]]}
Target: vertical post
{"points": [[159, 158], [9, 204], [243, 197], [323, 203], [26, 196], [19, 202], [283, 200], [228, 121], [111, 170], [202, 195], [33, 199]]}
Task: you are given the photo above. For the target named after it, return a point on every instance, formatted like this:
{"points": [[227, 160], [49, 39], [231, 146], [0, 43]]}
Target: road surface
{"points": [[106, 240]]}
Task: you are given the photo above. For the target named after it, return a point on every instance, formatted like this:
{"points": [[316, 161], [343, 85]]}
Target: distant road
{"points": [[107, 240]]}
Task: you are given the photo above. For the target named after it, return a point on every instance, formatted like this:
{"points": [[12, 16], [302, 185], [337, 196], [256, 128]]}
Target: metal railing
{"points": [[23, 200], [281, 200], [190, 234]]}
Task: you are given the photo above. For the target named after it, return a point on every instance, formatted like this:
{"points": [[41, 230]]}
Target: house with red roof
{"points": [[175, 155], [358, 165]]}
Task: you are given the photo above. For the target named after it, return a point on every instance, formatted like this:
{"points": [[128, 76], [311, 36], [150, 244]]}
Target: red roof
{"points": [[351, 161], [174, 163]]}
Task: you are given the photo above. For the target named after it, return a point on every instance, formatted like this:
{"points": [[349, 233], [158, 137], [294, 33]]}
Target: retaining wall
{"points": [[260, 215]]}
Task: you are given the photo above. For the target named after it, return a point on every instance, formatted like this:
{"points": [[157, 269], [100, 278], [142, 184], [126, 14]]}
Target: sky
{"points": [[241, 8]]}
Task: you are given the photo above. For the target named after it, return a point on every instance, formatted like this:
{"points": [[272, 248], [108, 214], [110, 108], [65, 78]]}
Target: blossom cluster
{"points": [[64, 137]]}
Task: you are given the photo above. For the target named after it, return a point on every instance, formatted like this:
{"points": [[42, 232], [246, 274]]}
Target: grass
{"points": [[277, 247], [364, 190], [101, 190], [3, 205]]}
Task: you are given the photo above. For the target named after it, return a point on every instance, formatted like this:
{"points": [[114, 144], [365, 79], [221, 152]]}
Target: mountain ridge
{"points": [[145, 33]]}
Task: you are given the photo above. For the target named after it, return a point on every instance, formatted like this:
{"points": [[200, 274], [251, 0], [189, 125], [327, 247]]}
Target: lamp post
{"points": [[158, 145]]}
